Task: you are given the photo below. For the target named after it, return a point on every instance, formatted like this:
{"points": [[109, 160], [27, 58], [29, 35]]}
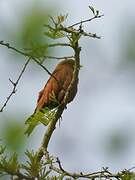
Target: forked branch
{"points": [[15, 84]]}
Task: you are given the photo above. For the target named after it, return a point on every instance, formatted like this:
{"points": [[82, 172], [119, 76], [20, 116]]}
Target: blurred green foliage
{"points": [[32, 27], [30, 32], [129, 44], [13, 135]]}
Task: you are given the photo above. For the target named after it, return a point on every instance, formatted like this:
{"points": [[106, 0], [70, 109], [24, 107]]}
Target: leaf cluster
{"points": [[54, 30], [127, 175], [30, 170], [8, 165], [50, 168], [44, 116], [94, 11]]}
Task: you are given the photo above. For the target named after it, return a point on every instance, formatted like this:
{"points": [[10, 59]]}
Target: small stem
{"points": [[15, 85], [49, 132], [58, 58], [59, 44], [87, 20], [52, 124], [32, 57]]}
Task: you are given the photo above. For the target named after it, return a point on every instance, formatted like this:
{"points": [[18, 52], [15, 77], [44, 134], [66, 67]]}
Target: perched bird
{"points": [[53, 94], [54, 90]]}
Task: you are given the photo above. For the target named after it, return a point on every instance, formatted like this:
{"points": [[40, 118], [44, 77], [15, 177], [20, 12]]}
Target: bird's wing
{"points": [[52, 87], [55, 86]]}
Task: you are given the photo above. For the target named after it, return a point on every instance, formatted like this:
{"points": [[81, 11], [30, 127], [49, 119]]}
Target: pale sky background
{"points": [[104, 108]]}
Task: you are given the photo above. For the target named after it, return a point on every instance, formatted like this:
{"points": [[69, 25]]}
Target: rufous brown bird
{"points": [[53, 94], [54, 90]]}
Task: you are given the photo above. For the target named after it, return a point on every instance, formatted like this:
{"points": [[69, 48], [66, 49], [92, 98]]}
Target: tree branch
{"points": [[32, 57], [87, 20], [72, 30], [15, 85], [58, 58], [52, 124], [35, 59], [58, 44], [104, 173], [99, 174]]}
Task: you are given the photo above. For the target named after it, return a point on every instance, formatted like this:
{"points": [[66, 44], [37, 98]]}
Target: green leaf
{"points": [[34, 120], [56, 34], [97, 12], [61, 18], [43, 116], [49, 115], [13, 163], [61, 177], [92, 9], [33, 166], [37, 50], [10, 165], [47, 173], [127, 175], [2, 149]]}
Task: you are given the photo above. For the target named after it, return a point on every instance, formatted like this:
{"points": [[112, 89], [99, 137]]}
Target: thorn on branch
{"points": [[59, 163], [13, 83]]}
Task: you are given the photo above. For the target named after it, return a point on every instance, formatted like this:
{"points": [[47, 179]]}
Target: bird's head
{"points": [[67, 62]]}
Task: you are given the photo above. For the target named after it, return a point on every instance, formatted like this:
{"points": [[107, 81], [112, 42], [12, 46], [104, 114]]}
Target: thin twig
{"points": [[72, 30], [104, 173], [58, 58], [13, 48], [58, 44], [92, 35], [60, 166], [14, 85], [94, 175], [87, 20], [99, 174], [32, 57]]}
